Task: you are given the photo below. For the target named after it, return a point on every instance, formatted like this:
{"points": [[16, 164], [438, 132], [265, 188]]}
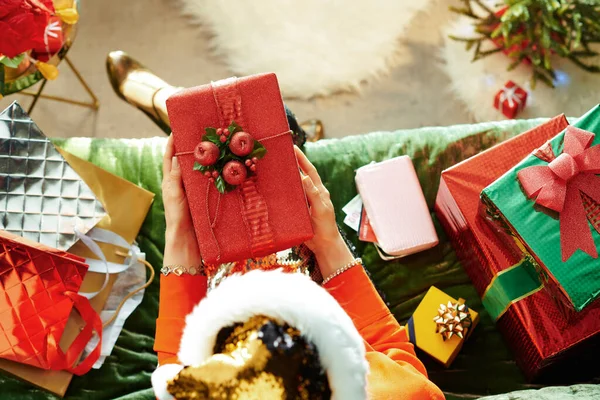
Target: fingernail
{"points": [[175, 163]]}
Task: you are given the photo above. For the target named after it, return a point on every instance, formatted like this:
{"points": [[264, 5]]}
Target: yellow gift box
{"points": [[428, 335]]}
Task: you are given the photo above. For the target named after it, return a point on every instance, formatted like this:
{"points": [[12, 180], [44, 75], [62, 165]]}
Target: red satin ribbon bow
{"points": [[558, 186]]}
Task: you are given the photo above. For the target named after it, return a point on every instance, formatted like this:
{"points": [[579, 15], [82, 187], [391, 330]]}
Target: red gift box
{"points": [[540, 335], [268, 212], [510, 100], [53, 40]]}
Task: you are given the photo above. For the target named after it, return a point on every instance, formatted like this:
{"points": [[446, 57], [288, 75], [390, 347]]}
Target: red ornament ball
{"points": [[206, 153], [234, 173], [241, 144]]}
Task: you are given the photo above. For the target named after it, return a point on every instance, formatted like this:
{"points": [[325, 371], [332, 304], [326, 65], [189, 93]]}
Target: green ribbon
{"points": [[509, 286]]}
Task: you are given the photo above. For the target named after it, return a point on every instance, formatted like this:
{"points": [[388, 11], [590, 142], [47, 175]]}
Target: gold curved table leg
{"points": [[36, 96], [93, 104]]}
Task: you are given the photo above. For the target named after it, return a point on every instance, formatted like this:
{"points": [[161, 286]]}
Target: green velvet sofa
{"points": [[484, 367]]}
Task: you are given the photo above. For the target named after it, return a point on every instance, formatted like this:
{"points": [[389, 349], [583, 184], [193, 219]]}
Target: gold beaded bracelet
{"points": [[354, 263], [180, 270]]}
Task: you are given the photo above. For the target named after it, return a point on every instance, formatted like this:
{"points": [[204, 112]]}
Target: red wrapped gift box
{"points": [[510, 100], [538, 332], [224, 223]]}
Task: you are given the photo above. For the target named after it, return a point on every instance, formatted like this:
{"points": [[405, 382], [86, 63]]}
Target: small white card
{"points": [[353, 210]]}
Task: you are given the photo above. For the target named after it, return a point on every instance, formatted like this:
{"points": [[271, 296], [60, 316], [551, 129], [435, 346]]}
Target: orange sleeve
{"points": [[178, 296], [395, 369]]}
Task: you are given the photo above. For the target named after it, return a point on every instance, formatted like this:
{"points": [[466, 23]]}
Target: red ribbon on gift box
{"points": [[253, 207], [559, 186]]}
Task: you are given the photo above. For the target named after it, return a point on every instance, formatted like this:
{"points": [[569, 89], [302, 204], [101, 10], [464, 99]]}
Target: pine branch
{"points": [[590, 68], [534, 30]]}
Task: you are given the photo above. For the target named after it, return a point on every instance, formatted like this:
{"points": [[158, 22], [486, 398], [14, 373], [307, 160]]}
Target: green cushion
{"points": [[484, 366]]}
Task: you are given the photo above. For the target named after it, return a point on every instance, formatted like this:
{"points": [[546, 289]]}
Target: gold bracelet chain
{"points": [[354, 263]]}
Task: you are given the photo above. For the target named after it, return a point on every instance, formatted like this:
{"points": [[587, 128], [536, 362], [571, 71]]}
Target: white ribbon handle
{"points": [[101, 265], [93, 246]]}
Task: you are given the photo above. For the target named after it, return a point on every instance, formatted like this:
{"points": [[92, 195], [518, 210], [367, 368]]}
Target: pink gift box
{"points": [[397, 210]]}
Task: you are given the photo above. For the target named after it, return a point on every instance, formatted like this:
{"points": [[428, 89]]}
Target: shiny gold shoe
{"points": [[314, 130], [141, 88]]}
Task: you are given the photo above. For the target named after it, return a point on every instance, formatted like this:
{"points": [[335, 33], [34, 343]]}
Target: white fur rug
{"points": [[476, 83], [316, 47]]}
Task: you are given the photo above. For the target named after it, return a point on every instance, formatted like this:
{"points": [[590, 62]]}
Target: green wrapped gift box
{"points": [[572, 275]]}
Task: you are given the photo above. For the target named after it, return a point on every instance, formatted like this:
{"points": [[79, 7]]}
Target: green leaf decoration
{"points": [[200, 167], [233, 128], [259, 150], [228, 157], [220, 184], [12, 62], [211, 136]]}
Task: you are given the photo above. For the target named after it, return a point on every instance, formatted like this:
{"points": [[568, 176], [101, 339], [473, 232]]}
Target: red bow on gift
{"points": [[560, 184]]}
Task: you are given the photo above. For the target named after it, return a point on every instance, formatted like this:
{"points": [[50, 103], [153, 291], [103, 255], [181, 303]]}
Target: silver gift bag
{"points": [[41, 197]]}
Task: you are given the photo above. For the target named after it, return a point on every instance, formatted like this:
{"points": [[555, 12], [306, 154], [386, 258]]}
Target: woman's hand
{"points": [[181, 246], [327, 244]]}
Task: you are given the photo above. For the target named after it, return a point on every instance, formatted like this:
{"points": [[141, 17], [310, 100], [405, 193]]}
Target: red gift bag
{"points": [[38, 290], [268, 212]]}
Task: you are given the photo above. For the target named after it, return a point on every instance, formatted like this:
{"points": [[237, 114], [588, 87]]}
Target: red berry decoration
{"points": [[206, 153], [234, 173], [226, 156], [241, 144]]}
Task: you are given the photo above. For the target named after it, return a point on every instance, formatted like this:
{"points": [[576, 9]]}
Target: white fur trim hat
{"points": [[289, 297]]}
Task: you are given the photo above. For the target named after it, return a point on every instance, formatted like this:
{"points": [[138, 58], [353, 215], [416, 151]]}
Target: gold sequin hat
{"points": [[267, 335]]}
